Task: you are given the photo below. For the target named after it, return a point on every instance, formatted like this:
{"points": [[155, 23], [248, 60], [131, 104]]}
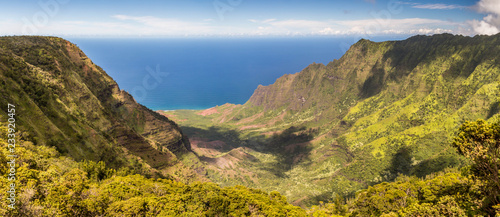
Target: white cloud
{"points": [[408, 22], [398, 26], [125, 25], [154, 25], [427, 31], [261, 21], [299, 24], [329, 31], [438, 6], [484, 27], [364, 28], [268, 20], [490, 24], [488, 6]]}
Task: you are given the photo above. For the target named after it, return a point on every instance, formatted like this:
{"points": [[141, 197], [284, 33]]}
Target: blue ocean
{"points": [[199, 73]]}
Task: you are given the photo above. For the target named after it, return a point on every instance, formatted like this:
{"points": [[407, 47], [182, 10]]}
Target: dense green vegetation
{"points": [[50, 184], [480, 142], [472, 192], [382, 110], [65, 101], [384, 131]]}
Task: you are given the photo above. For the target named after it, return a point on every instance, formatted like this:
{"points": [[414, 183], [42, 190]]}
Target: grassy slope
{"points": [[48, 184], [382, 109], [64, 100]]}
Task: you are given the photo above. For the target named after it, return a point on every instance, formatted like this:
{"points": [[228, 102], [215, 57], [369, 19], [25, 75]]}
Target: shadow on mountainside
{"points": [[403, 163], [494, 109], [230, 137], [289, 147]]}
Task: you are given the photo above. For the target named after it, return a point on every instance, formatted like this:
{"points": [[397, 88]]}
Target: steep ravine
{"points": [[382, 109], [66, 101]]}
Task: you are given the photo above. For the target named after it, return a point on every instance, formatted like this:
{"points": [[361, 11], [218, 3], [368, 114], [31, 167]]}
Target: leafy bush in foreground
{"points": [[49, 184], [474, 192]]}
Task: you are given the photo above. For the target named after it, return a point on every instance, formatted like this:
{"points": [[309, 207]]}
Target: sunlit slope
{"points": [[64, 100], [381, 110]]}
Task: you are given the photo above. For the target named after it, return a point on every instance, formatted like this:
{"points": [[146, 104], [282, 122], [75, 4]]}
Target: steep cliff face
{"points": [[292, 91], [382, 109], [64, 100], [321, 85], [386, 72]]}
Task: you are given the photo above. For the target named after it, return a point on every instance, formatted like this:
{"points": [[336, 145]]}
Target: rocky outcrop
{"points": [[65, 100]]}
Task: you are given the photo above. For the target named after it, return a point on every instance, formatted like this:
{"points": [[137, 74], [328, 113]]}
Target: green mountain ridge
{"points": [[64, 100], [374, 133], [382, 109], [86, 148]]}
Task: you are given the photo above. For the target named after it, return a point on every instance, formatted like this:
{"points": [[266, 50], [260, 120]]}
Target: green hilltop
{"points": [[63, 100], [382, 110], [374, 133], [86, 148]]}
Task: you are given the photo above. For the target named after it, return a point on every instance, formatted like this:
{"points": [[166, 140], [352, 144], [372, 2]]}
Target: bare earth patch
{"points": [[277, 118], [206, 148], [230, 159], [228, 111], [268, 124], [171, 116], [209, 111], [250, 119], [252, 126]]}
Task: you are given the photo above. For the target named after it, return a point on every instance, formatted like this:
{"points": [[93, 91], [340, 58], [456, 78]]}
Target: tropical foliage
{"points": [[50, 184], [382, 110], [472, 192], [384, 131], [63, 100]]}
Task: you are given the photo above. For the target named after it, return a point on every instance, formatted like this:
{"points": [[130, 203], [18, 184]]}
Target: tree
{"points": [[480, 142]]}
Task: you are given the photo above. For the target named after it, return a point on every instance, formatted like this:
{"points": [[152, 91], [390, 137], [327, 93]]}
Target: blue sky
{"points": [[181, 18]]}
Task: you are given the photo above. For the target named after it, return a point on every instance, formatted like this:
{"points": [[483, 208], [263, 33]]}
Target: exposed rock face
{"points": [[383, 109], [65, 100]]}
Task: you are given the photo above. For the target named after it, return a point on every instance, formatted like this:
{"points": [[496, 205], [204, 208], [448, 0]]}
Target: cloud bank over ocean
{"points": [[490, 24], [250, 18]]}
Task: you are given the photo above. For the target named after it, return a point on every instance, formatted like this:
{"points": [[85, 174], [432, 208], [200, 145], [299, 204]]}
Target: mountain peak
{"points": [[68, 102], [382, 109]]}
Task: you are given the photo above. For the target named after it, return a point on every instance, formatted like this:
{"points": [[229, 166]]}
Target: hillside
{"points": [[382, 110], [86, 148], [383, 131], [65, 101], [50, 184]]}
